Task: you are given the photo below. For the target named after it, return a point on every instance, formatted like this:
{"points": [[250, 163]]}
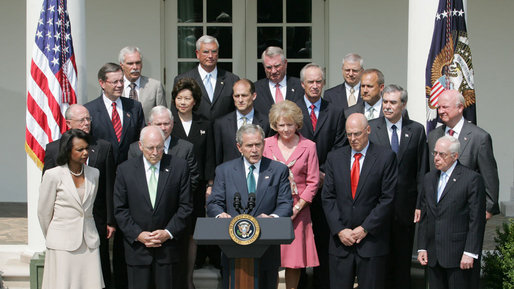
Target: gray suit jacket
{"points": [[456, 223], [476, 153], [151, 94]]}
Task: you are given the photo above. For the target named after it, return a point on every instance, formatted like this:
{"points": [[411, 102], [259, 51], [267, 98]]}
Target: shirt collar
{"points": [[390, 124], [317, 104], [356, 87], [450, 170], [204, 73], [167, 144], [457, 128], [148, 164], [247, 164], [377, 106], [248, 116], [127, 82], [282, 83], [108, 102]]}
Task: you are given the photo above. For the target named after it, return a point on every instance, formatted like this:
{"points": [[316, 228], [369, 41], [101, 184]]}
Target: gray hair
{"points": [[396, 88], [206, 39], [147, 129], [160, 109], [68, 114], [129, 49], [454, 143], [272, 51], [379, 74], [248, 129], [311, 65], [353, 57]]}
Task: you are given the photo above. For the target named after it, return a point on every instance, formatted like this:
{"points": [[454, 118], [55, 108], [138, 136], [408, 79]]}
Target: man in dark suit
{"points": [[357, 195], [372, 84], [324, 124], [162, 118], [119, 121], [115, 119], [253, 173], [216, 83], [148, 91], [276, 87], [151, 205], [100, 157], [347, 93], [452, 228], [476, 148], [407, 139], [225, 127]]}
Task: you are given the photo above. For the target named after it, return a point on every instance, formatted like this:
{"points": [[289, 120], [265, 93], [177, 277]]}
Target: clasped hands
{"points": [[349, 237], [153, 239]]}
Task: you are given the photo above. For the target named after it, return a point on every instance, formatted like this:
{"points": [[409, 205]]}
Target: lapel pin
{"points": [[202, 132], [128, 114], [465, 138], [167, 170], [266, 177], [92, 150], [454, 180], [292, 89], [221, 82], [406, 135]]}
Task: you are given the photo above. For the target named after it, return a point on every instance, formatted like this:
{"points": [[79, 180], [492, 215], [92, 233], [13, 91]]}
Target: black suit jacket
{"points": [[456, 223], [373, 203], [134, 213], [264, 99], [359, 108], [476, 153], [178, 148], [101, 125], [100, 157], [330, 128], [272, 195], [225, 129], [412, 160], [222, 99], [202, 138], [337, 96]]}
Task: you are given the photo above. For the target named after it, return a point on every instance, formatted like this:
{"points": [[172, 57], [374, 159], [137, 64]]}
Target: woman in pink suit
{"points": [[289, 147]]}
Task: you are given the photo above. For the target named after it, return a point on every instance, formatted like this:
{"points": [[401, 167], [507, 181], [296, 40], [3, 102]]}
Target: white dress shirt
{"points": [[361, 160], [283, 88], [108, 106], [457, 128], [126, 88], [214, 76], [377, 108]]}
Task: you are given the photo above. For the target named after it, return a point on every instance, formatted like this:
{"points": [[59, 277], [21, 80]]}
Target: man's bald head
{"points": [[357, 130], [77, 116]]}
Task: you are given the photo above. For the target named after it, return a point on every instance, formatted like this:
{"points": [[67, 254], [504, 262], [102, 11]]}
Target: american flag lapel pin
{"points": [[167, 170], [266, 177], [454, 180], [406, 135], [202, 132], [128, 114]]}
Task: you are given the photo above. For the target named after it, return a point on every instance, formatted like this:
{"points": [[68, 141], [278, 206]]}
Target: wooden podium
{"points": [[273, 231]]}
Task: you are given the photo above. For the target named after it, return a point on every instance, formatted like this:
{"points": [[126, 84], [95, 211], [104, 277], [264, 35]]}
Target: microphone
{"points": [[251, 202], [237, 202]]}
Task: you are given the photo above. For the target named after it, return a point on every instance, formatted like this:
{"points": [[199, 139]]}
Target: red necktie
{"points": [[314, 120], [355, 173], [278, 94], [451, 132], [116, 121]]}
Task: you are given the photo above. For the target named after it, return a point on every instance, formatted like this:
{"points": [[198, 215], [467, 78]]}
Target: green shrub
{"points": [[498, 265]]}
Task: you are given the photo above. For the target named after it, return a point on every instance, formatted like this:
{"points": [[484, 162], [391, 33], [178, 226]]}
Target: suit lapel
{"points": [[265, 175], [369, 161], [93, 155], [199, 80], [220, 83], [105, 121], [140, 176], [464, 136], [452, 179], [88, 190], [127, 117], [165, 171], [306, 120], [67, 180], [405, 137], [382, 133], [322, 116], [290, 90], [345, 171], [143, 80]]}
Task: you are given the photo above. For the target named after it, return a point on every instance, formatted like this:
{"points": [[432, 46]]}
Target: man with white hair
{"points": [[216, 83], [148, 91], [347, 93], [452, 228]]}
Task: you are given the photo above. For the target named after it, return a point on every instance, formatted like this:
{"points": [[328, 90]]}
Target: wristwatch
{"points": [[297, 208]]}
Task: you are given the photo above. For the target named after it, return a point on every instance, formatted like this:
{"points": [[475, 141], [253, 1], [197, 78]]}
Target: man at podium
{"points": [[267, 179]]}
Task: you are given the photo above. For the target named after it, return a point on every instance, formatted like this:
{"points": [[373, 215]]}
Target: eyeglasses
{"points": [[355, 134], [83, 120], [151, 149], [441, 154], [114, 83]]}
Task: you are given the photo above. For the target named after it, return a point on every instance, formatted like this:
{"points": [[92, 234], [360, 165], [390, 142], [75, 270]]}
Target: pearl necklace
{"points": [[77, 174]]}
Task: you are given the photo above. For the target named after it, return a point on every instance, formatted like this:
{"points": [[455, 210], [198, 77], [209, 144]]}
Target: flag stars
{"points": [[59, 10], [39, 34], [67, 36], [49, 34], [40, 22], [444, 14], [56, 48], [438, 16], [50, 22], [461, 12], [47, 47], [58, 23], [51, 8], [57, 36], [55, 61]]}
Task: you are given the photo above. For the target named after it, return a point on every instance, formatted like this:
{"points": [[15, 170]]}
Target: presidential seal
{"points": [[244, 229]]}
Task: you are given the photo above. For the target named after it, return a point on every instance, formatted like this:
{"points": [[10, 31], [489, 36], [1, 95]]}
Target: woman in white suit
{"points": [[65, 212]]}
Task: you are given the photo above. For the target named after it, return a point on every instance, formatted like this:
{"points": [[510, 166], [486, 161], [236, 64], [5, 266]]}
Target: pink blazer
{"points": [[303, 166]]}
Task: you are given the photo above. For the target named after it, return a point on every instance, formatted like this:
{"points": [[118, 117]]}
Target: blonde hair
{"points": [[288, 110]]}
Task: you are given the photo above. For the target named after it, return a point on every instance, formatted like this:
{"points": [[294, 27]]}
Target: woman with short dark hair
{"points": [[65, 211]]}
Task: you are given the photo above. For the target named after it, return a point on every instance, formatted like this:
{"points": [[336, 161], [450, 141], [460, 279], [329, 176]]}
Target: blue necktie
{"points": [[208, 86], [394, 140], [442, 184], [250, 180]]}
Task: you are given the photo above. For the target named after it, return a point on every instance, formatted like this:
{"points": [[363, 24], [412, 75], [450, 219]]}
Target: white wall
{"points": [[13, 187], [490, 27]]}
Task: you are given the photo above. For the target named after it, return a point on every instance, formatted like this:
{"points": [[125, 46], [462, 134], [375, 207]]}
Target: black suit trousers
{"points": [[400, 256], [370, 272], [449, 278], [119, 264], [154, 276]]}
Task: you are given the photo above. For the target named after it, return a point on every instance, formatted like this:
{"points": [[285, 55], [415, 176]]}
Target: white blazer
{"points": [[66, 220]]}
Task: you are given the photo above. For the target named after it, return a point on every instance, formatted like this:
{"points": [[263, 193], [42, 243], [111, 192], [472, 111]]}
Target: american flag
{"points": [[449, 63], [53, 79]]}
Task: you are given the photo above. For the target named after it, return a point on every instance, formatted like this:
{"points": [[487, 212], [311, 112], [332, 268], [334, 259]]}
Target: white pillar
{"points": [[76, 8]]}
